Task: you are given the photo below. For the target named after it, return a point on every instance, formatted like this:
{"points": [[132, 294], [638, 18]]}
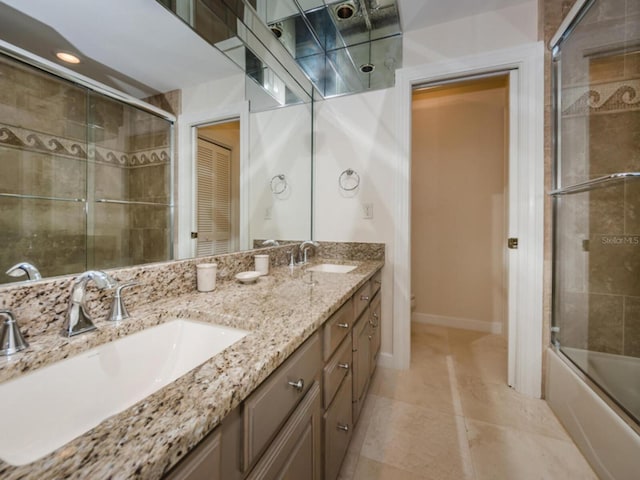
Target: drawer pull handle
{"points": [[344, 365], [343, 325], [370, 337], [364, 298], [344, 428], [299, 385], [375, 315]]}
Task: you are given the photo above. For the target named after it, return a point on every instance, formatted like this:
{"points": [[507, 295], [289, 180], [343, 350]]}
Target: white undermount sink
{"points": [[43, 410], [331, 268]]}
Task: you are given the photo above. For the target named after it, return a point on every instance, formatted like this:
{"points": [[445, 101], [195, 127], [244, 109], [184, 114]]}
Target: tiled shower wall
{"points": [[60, 140], [599, 231]]}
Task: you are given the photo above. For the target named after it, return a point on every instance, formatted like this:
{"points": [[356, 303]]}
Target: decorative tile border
{"points": [[603, 98], [24, 139], [157, 156], [31, 140]]}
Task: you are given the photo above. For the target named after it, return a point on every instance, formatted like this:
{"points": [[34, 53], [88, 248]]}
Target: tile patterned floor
{"points": [[451, 416]]}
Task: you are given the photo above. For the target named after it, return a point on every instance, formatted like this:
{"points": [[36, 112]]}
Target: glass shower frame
{"points": [[141, 140], [595, 248]]}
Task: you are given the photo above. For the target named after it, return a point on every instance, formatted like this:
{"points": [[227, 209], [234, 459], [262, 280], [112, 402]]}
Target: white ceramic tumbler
{"points": [[262, 264], [206, 276]]}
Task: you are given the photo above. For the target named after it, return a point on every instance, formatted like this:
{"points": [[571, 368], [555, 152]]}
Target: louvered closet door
{"points": [[214, 198]]}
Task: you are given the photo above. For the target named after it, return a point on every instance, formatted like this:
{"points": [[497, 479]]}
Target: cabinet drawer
{"points": [[361, 300], [337, 328], [338, 429], [376, 282], [335, 371], [268, 407], [296, 451], [202, 463]]}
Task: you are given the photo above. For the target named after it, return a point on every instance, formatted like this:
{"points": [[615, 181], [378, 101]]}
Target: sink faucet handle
{"points": [[118, 309], [24, 268], [11, 340]]}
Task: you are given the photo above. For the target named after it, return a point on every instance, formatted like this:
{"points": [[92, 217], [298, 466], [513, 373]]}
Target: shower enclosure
{"points": [[85, 179], [596, 197]]}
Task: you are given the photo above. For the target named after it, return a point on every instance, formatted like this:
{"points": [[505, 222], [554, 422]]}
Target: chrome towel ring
{"points": [[278, 184], [349, 180]]}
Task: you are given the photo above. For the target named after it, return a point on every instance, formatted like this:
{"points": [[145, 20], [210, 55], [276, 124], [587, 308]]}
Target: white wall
{"points": [[494, 30], [358, 132], [280, 144]]}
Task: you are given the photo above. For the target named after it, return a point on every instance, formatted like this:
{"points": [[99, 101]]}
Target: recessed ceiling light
{"points": [[345, 10], [367, 68], [67, 57]]}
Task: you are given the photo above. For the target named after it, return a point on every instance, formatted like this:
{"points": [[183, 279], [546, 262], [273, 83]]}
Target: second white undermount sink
{"points": [[43, 410], [331, 268]]}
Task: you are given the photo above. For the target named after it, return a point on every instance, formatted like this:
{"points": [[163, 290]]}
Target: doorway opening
{"points": [[459, 219], [217, 188]]}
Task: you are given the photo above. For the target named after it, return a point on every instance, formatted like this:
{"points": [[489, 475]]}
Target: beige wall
{"points": [[458, 201]]}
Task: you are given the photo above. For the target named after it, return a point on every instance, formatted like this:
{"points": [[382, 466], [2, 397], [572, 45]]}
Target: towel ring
{"points": [[344, 178], [278, 184]]}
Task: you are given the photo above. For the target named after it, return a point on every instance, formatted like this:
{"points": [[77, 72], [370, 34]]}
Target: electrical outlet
{"points": [[367, 210], [267, 213]]}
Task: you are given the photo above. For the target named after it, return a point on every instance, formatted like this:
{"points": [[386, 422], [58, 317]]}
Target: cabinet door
{"points": [[374, 321], [202, 463], [295, 452], [361, 359], [338, 430]]}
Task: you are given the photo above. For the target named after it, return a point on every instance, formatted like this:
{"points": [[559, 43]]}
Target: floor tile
{"points": [[371, 470], [501, 405], [503, 453], [418, 440], [452, 416]]}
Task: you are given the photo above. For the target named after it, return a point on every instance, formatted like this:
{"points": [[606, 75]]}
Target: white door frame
{"points": [[526, 203], [187, 148]]}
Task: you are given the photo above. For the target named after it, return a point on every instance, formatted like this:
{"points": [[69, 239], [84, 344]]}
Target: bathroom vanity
{"points": [[282, 400]]}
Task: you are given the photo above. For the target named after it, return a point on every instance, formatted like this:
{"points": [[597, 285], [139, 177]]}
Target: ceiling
{"points": [[138, 47]]}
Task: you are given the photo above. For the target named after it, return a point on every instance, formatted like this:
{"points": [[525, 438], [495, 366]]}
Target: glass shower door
{"points": [[43, 169], [596, 315]]}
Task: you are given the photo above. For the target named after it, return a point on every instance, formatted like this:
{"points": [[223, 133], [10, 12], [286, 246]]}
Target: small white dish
{"points": [[248, 277]]}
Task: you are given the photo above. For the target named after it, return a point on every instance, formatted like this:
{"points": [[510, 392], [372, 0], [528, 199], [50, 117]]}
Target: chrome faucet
{"points": [[77, 319], [303, 248], [24, 268], [11, 340]]}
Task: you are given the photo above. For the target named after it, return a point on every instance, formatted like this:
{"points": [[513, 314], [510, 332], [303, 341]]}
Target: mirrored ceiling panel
{"points": [[233, 27], [344, 47]]}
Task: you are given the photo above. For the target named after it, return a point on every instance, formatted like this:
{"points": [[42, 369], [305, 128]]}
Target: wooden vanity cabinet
{"points": [[295, 452], [299, 422], [269, 406], [375, 313], [361, 360], [203, 462], [338, 430]]}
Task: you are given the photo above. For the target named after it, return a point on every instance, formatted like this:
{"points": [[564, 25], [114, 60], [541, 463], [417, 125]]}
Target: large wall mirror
{"points": [[87, 177]]}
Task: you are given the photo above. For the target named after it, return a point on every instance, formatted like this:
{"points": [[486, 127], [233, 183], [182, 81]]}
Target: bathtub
{"points": [[607, 437]]}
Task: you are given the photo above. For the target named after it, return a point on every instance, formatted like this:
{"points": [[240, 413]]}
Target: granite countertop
{"points": [[144, 441]]}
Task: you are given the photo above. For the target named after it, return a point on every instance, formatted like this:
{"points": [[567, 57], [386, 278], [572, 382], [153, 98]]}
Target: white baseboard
{"points": [[386, 360], [456, 322]]}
